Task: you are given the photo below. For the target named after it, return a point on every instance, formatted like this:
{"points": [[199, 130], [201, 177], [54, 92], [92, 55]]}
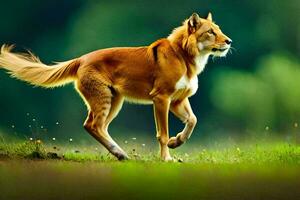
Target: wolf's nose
{"points": [[228, 41]]}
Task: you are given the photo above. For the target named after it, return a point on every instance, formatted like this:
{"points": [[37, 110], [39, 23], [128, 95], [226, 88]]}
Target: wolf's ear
{"points": [[193, 23], [209, 16]]}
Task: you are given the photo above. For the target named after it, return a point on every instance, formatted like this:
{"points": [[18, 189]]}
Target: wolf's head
{"points": [[201, 35]]}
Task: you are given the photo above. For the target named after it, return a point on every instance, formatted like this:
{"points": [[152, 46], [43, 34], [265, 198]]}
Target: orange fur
{"points": [[163, 73]]}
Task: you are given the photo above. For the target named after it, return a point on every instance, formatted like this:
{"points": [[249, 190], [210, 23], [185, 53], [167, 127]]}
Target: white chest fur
{"points": [[200, 62], [185, 83]]}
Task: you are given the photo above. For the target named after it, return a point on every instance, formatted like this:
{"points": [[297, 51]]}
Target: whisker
{"points": [[233, 48], [213, 58]]}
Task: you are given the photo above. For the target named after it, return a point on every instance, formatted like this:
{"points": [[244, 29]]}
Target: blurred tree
{"points": [[282, 74], [268, 97]]}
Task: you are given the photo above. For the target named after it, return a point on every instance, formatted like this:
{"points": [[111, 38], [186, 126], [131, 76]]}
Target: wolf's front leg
{"points": [[161, 110], [183, 111]]}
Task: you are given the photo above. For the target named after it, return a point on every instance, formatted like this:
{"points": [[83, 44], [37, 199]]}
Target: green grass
{"points": [[245, 153], [252, 170]]}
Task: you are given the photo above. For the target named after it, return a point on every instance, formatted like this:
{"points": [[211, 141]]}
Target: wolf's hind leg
{"points": [[103, 105], [116, 105]]}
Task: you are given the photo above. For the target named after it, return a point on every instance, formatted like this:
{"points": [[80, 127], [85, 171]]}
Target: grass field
{"points": [[32, 170]]}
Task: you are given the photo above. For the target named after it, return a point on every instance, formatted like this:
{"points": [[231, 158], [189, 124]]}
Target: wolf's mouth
{"points": [[221, 50]]}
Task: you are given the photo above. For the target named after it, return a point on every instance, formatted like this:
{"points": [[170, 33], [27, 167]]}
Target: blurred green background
{"points": [[254, 90]]}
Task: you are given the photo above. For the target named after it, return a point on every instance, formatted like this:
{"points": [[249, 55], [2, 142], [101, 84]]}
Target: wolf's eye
{"points": [[210, 31]]}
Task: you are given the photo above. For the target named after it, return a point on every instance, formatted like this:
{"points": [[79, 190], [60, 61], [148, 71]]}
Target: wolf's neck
{"points": [[200, 62]]}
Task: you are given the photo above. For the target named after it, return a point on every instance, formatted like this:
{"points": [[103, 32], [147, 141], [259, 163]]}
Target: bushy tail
{"points": [[29, 68]]}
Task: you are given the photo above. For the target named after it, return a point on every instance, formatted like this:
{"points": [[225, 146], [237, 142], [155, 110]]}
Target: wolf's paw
{"points": [[174, 142], [168, 159], [122, 157]]}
